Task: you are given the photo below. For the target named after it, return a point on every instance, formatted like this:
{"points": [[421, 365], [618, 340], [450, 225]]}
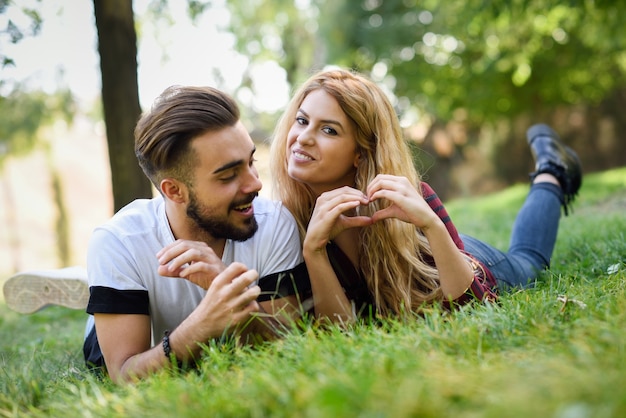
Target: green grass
{"points": [[557, 350]]}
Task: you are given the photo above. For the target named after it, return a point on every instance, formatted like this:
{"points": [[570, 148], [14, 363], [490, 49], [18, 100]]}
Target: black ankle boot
{"points": [[552, 157]]}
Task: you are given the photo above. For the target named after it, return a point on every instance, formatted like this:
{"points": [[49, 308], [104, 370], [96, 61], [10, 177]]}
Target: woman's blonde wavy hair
{"points": [[393, 254]]}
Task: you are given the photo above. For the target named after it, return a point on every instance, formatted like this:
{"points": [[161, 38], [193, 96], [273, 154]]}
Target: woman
{"points": [[376, 239]]}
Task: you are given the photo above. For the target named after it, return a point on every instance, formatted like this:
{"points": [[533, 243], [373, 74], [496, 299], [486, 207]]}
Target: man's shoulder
{"points": [[138, 214], [141, 205], [140, 208], [268, 208], [263, 204], [275, 246], [273, 219]]}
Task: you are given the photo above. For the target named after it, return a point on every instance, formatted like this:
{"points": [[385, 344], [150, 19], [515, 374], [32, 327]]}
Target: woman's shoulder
{"points": [[427, 190]]}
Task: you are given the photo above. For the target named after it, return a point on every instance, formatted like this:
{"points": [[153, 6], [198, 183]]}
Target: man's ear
{"points": [[174, 190]]}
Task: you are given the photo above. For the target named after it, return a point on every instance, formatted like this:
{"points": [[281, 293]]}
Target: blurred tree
{"points": [[117, 45], [15, 33], [491, 59], [22, 117], [120, 96], [283, 31], [23, 114], [470, 67]]}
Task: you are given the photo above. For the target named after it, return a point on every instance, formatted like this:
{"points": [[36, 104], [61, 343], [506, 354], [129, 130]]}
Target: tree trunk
{"points": [[62, 224], [117, 45], [13, 235]]}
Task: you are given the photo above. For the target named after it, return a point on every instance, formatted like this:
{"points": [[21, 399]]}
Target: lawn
{"points": [[557, 350]]}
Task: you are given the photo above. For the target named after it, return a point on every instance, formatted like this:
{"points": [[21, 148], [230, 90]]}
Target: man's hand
{"points": [[228, 304], [191, 260]]}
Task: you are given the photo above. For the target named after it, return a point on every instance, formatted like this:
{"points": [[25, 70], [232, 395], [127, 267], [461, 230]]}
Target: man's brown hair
{"points": [[179, 114]]}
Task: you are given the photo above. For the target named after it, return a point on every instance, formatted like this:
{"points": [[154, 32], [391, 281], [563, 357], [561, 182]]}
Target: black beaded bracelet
{"points": [[167, 350]]}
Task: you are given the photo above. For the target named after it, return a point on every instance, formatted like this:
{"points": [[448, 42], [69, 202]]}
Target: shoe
{"points": [[31, 291], [552, 157]]}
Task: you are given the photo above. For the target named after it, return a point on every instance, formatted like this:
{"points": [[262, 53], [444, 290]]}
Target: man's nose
{"points": [[252, 182]]}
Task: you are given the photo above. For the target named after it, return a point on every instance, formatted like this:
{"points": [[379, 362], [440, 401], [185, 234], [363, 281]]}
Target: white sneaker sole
{"points": [[30, 291]]}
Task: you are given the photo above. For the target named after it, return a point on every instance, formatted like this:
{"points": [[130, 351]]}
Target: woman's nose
{"points": [[305, 137]]}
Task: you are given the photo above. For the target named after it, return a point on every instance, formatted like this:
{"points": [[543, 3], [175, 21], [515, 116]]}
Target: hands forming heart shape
{"points": [[366, 210], [387, 197]]}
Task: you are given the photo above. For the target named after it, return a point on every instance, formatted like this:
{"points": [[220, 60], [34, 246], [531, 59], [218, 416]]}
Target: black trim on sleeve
{"points": [[108, 300], [286, 283]]}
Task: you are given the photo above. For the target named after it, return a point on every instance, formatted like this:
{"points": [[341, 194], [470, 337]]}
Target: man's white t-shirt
{"points": [[122, 263]]}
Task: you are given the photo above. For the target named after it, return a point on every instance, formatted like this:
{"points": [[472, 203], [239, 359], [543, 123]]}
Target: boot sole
{"points": [[29, 292], [577, 180], [540, 129]]}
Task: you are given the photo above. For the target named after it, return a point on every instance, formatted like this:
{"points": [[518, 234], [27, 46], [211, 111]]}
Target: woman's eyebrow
{"points": [[330, 121]]}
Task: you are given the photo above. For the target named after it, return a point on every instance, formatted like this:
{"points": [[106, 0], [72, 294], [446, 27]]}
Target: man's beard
{"points": [[219, 227]]}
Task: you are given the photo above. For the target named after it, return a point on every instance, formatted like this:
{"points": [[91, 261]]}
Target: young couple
{"points": [[208, 257]]}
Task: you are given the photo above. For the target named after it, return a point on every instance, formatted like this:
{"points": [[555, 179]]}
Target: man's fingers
{"points": [[247, 299], [185, 259], [210, 270], [166, 272], [174, 249], [235, 271], [244, 280], [182, 252], [245, 305], [253, 293], [243, 300]]}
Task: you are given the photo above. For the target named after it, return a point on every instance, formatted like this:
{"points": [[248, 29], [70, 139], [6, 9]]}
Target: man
{"points": [[168, 274]]}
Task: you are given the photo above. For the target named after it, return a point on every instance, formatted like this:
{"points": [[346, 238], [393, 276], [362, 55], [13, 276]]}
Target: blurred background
{"points": [[467, 78]]}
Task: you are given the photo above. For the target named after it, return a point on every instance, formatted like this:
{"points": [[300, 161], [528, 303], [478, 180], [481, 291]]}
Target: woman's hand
{"points": [[406, 203], [331, 216]]}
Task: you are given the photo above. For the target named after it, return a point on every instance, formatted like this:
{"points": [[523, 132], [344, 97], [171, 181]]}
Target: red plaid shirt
{"points": [[483, 286]]}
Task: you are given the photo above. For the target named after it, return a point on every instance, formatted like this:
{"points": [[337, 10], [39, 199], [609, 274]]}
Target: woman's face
{"points": [[321, 144]]}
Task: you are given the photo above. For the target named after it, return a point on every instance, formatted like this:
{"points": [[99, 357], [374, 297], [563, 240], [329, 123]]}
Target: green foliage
{"points": [[278, 30], [555, 350], [23, 113], [15, 33], [489, 58]]}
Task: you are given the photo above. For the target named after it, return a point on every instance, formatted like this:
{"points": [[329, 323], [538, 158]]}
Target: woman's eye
{"points": [[301, 120], [329, 131]]}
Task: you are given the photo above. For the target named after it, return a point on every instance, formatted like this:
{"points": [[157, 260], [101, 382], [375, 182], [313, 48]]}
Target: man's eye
{"points": [[228, 178]]}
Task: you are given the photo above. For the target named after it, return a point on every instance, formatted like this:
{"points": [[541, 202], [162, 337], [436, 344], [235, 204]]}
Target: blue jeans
{"points": [[532, 240]]}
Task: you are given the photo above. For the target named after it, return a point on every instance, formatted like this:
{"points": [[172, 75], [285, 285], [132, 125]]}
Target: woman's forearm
{"points": [[329, 298], [455, 273]]}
